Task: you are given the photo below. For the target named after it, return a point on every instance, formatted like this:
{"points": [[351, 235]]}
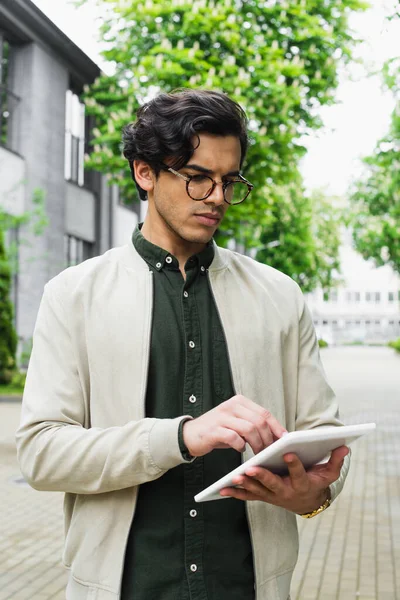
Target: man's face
{"points": [[185, 219]]}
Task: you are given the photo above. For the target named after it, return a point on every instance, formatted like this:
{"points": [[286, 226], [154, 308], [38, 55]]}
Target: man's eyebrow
{"points": [[209, 171]]}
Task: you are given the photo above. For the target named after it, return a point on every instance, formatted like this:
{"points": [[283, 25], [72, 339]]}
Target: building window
{"points": [[334, 322], [368, 296], [391, 296], [377, 297], [377, 322], [368, 322], [76, 250], [357, 296], [391, 322], [324, 322], [348, 296], [74, 139], [333, 297], [8, 100], [315, 322], [358, 322]]}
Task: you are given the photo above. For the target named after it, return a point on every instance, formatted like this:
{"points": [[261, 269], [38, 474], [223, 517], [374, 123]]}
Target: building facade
{"points": [[44, 134], [365, 308]]}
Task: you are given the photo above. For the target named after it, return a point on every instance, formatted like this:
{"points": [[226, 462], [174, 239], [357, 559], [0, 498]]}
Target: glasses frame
{"points": [[225, 185]]}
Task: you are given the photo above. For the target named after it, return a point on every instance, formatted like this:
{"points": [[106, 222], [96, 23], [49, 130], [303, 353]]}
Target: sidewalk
{"points": [[31, 527], [351, 551]]}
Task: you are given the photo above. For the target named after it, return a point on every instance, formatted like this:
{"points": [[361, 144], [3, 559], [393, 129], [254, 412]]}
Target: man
{"points": [[159, 366]]}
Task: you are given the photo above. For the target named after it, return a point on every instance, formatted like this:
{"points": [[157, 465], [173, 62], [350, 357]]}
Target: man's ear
{"points": [[144, 175]]}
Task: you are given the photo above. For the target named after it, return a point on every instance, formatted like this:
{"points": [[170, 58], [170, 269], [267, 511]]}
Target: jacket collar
{"points": [[130, 258]]}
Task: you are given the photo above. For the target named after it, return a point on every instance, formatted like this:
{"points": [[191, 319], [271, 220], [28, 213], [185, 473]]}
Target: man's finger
{"points": [[338, 455], [246, 429], [252, 416], [277, 429], [253, 486], [297, 473], [238, 493], [336, 460], [268, 480]]}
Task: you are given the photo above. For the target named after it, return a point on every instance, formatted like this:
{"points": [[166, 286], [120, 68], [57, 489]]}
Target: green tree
{"points": [[36, 220], [375, 216], [304, 239], [278, 59], [8, 337]]}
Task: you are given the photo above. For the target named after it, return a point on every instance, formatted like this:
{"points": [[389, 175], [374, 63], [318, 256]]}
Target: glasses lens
{"points": [[199, 187], [236, 192]]}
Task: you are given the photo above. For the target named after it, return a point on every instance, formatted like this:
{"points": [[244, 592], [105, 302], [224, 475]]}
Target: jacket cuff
{"points": [[164, 446], [182, 446]]}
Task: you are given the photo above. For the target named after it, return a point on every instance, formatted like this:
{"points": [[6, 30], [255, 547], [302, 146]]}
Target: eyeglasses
{"points": [[200, 187]]}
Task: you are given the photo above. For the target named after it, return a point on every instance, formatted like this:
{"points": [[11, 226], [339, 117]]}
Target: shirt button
{"points": [[192, 399], [202, 269], [158, 265], [191, 344], [193, 513], [186, 294], [168, 260], [193, 568]]}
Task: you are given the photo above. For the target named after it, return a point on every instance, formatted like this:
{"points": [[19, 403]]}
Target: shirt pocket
{"points": [[223, 386]]}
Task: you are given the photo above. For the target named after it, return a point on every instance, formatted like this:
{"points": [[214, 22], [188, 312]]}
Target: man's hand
{"points": [[230, 425], [300, 492]]}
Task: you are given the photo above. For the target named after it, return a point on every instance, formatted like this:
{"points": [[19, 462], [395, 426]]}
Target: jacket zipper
{"points": [[143, 400], [234, 389]]}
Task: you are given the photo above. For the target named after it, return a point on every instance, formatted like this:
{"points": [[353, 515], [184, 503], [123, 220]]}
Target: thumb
{"points": [[338, 455]]}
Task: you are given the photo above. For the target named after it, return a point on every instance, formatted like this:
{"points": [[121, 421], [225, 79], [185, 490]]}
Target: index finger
{"points": [[277, 429]]}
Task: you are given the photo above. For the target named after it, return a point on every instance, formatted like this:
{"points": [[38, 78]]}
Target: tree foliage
{"points": [[304, 239], [8, 337], [278, 59], [36, 221], [375, 217]]}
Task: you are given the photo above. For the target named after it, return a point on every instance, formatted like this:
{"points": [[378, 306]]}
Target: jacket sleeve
{"points": [[56, 452], [316, 402]]}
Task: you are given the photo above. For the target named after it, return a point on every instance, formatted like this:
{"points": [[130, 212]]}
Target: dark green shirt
{"points": [[177, 549]]}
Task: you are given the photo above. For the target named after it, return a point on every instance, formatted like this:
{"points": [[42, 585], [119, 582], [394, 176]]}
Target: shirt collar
{"points": [[159, 258]]}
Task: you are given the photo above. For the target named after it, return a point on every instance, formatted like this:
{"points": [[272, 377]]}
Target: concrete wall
{"points": [[41, 82], [12, 182]]}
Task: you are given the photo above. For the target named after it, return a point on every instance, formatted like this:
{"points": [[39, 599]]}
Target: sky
{"points": [[351, 127]]}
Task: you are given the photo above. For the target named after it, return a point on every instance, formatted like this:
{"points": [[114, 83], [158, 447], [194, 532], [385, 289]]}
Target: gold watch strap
{"points": [[318, 510]]}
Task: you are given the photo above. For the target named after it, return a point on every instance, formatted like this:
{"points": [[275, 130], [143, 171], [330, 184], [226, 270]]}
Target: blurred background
{"points": [[320, 82]]}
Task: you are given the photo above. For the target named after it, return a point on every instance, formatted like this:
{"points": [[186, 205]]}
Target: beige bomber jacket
{"points": [[83, 429]]}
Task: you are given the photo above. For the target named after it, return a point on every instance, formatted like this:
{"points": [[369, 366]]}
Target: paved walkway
{"points": [[352, 551]]}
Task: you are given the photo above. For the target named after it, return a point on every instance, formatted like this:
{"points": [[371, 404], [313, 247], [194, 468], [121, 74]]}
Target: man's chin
{"points": [[199, 237]]}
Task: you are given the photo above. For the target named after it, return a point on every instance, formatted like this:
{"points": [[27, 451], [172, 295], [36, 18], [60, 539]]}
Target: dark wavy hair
{"points": [[165, 128]]}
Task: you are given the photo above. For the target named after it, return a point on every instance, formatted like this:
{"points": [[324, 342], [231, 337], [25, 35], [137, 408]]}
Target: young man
{"points": [[159, 366]]}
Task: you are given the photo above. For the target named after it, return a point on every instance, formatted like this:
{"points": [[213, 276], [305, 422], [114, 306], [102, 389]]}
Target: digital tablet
{"points": [[312, 446]]}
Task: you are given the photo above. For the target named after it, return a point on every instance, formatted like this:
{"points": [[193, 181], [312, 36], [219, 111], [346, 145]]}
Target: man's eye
{"points": [[199, 178]]}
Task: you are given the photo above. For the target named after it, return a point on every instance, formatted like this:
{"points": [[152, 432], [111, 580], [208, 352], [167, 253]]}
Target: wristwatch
{"points": [[318, 510]]}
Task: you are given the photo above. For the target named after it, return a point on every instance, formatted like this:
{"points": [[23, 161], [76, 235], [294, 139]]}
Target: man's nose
{"points": [[217, 195]]}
